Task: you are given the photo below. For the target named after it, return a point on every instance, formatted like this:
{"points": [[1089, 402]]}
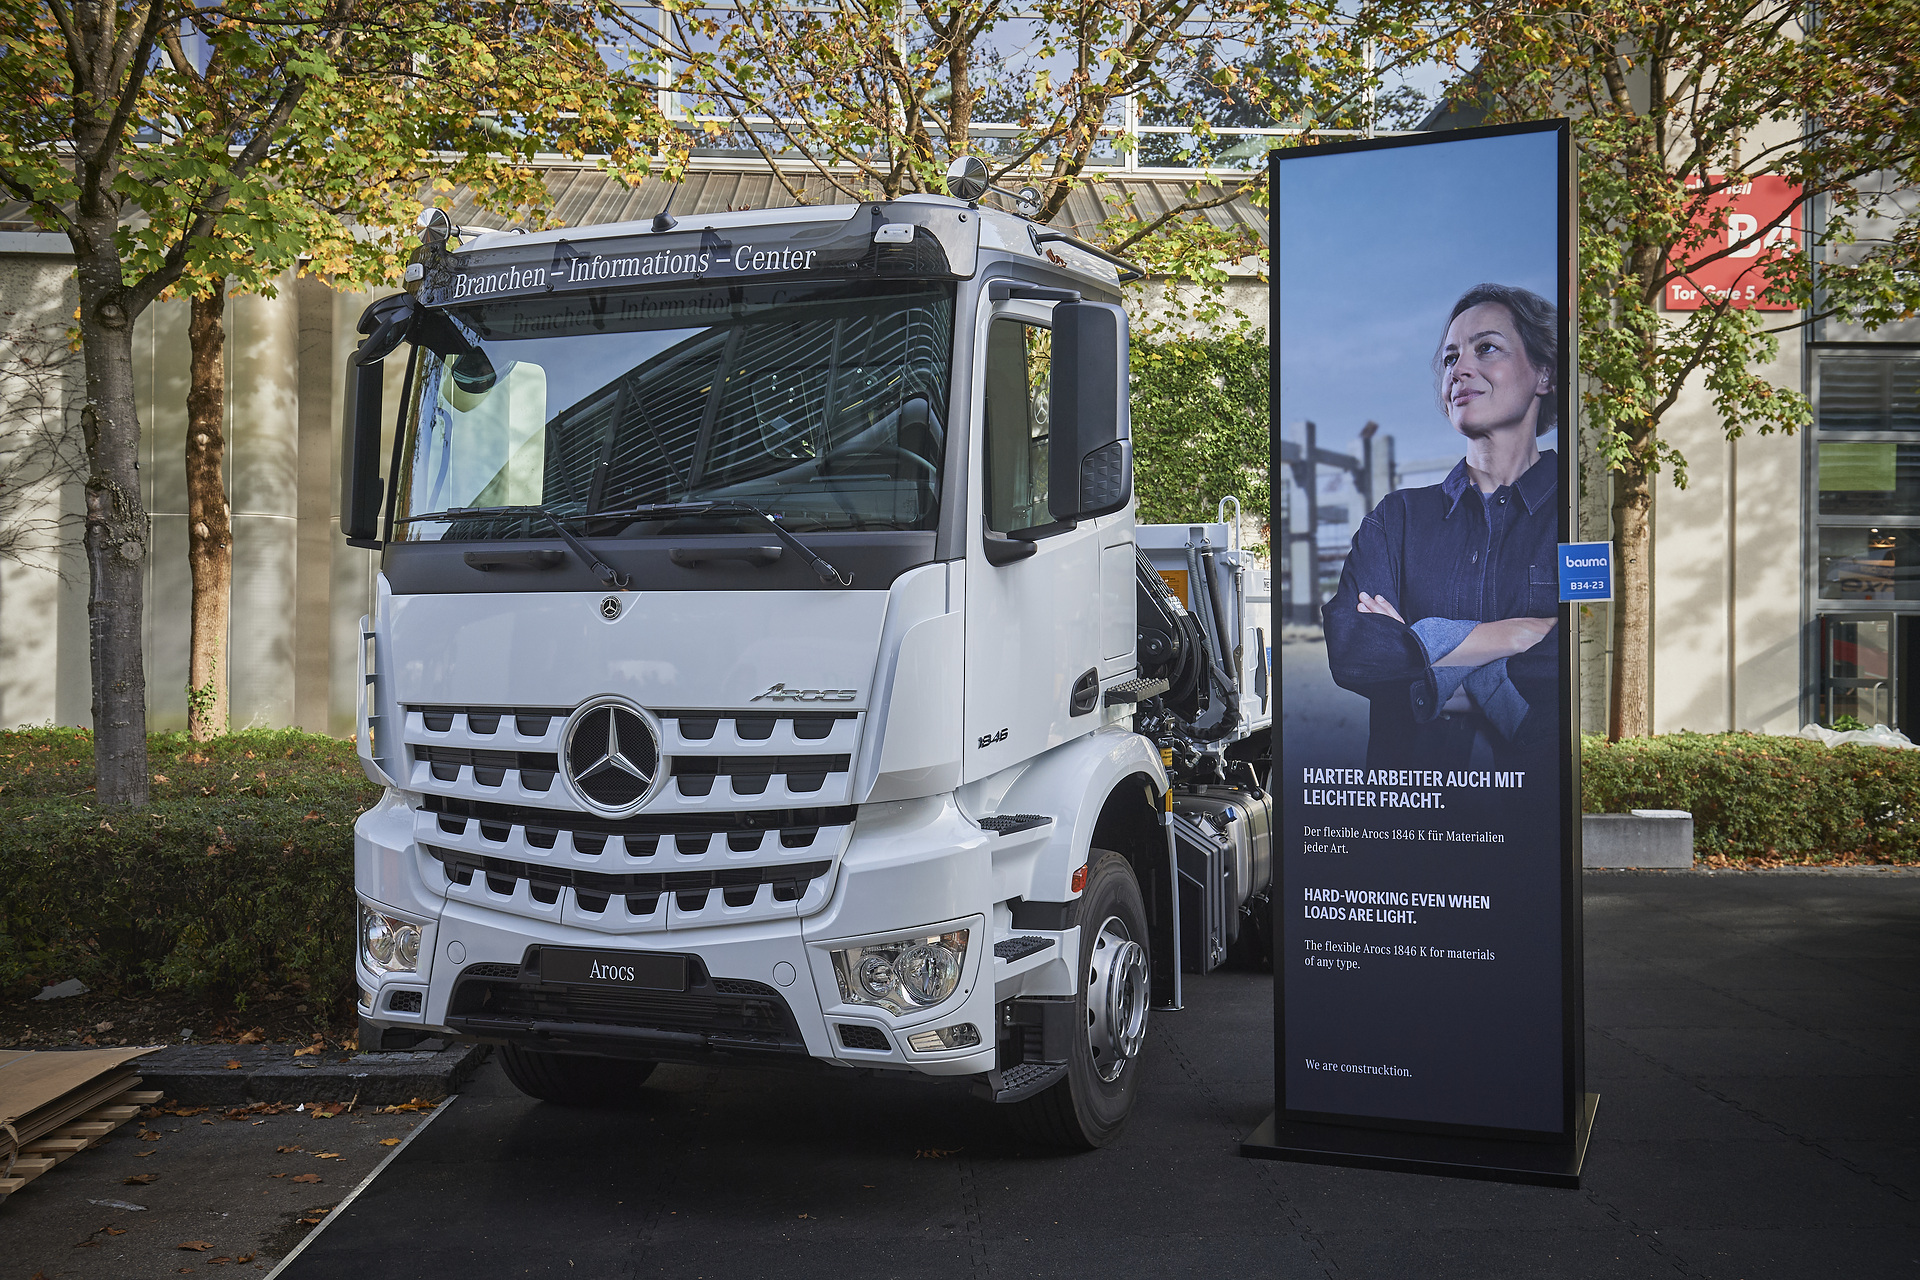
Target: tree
{"points": [[872, 98], [483, 91], [85, 87], [1673, 106]]}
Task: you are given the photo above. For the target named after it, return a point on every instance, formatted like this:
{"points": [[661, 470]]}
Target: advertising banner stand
{"points": [[1428, 985]]}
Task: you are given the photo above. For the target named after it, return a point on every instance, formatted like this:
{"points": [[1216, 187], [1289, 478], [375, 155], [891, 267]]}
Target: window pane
{"points": [[1018, 359], [1869, 478], [1870, 564], [1869, 393]]}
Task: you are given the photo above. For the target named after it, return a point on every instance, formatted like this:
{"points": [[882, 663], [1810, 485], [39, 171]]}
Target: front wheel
{"points": [[573, 1079], [1089, 1108]]}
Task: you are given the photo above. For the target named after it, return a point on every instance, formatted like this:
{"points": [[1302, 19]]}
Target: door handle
{"points": [[1086, 692]]}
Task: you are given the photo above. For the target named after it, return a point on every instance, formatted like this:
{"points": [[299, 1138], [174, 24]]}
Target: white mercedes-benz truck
{"points": [[766, 666]]}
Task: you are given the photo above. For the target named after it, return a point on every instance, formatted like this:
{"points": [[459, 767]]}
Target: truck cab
{"points": [[766, 667]]}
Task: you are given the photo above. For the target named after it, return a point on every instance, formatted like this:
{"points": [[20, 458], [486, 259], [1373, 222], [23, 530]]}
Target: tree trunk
{"points": [[116, 523], [1628, 715], [209, 519]]}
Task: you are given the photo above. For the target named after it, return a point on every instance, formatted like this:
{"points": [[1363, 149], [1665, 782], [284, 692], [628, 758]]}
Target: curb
{"points": [[205, 1074]]}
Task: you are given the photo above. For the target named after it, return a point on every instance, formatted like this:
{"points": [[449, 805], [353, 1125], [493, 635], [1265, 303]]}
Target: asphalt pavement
{"points": [[1751, 1035]]}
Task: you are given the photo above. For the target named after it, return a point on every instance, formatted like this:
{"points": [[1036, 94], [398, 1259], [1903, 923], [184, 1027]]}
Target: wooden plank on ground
{"points": [[56, 1146], [141, 1097], [112, 1115]]}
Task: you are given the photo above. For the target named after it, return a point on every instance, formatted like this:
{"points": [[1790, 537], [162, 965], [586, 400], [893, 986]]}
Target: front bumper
{"points": [[760, 990]]}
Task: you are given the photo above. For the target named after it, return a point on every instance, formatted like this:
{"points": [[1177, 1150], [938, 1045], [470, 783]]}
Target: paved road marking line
{"points": [[334, 1215]]}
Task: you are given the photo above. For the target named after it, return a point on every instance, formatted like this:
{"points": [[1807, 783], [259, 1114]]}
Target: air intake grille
{"points": [[854, 1036], [789, 880], [700, 726], [720, 1020], [404, 1002], [490, 767], [750, 774]]}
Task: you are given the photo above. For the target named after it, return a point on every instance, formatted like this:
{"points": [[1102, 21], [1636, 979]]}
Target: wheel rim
{"points": [[1116, 999]]}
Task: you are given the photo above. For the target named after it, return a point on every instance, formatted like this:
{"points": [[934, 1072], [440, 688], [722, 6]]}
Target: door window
{"points": [[1019, 356]]}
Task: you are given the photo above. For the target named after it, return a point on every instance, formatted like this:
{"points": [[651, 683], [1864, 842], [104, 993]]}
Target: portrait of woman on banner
{"points": [[1446, 613]]}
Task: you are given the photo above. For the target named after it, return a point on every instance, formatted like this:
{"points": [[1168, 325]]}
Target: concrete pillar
{"points": [[41, 391], [263, 464], [318, 464], [351, 595], [163, 370]]}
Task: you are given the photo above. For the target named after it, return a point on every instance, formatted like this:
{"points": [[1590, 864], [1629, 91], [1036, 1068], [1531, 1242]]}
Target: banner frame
{"points": [[1549, 1158]]}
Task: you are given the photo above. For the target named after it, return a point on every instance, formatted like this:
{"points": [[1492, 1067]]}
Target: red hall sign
{"points": [[1737, 216]]}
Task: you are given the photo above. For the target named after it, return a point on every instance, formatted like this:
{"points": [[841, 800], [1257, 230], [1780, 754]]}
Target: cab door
{"points": [[1034, 600]]}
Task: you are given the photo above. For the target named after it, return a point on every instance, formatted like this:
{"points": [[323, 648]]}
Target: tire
{"points": [[1090, 1107], [573, 1079]]}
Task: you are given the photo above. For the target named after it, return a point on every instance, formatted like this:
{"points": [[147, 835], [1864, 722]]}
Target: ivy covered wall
{"points": [[1200, 429]]}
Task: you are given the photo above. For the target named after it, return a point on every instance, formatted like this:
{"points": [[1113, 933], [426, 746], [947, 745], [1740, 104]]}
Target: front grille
{"points": [[757, 1020], [528, 722], [700, 726], [404, 1002], [692, 833], [854, 1036], [751, 774], [738, 885], [537, 768]]}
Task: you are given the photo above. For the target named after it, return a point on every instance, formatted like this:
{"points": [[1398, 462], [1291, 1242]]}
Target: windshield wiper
{"points": [[673, 510], [607, 574]]}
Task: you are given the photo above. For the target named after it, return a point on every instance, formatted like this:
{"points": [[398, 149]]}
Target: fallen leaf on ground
{"points": [[138, 1179], [103, 1026], [936, 1153], [312, 1048], [147, 1152], [306, 1177], [276, 1175], [86, 1244], [326, 1155], [214, 1262], [244, 1258], [389, 1142], [149, 1135], [254, 1036], [284, 1150], [160, 778], [197, 1246], [115, 1231], [233, 1066]]}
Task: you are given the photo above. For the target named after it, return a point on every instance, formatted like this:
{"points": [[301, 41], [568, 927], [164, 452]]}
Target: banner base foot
{"points": [[1537, 1164]]}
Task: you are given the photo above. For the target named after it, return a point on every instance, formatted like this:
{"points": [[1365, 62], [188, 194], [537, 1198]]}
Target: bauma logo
{"points": [[780, 693]]}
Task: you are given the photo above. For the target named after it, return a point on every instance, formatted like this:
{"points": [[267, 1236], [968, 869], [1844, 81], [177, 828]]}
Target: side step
{"points": [[1028, 1078]]}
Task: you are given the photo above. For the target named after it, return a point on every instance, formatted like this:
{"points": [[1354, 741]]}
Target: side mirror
{"points": [[1090, 463], [360, 488], [386, 323]]}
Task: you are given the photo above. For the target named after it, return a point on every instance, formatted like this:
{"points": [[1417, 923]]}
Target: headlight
{"points": [[388, 945], [902, 974]]}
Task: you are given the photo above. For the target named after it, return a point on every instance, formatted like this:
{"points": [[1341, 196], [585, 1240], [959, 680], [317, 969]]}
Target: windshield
{"points": [[822, 404]]}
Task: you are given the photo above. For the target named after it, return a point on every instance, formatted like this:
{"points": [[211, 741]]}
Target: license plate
{"points": [[642, 970]]}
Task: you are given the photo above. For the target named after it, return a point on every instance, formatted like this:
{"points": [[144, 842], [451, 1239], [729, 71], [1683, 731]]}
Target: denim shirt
{"points": [[1447, 557]]}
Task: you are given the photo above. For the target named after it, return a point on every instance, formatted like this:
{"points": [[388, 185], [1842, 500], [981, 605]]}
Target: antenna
{"points": [[664, 220]]}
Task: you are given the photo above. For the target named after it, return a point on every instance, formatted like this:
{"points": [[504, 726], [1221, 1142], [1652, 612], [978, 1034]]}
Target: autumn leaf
{"points": [[115, 1231], [149, 1135], [389, 1142], [326, 1155], [233, 1065], [139, 1179], [284, 1150], [312, 1048], [306, 1177], [197, 1246]]}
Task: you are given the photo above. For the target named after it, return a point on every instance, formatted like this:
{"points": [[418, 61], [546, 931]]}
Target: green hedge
{"points": [[1765, 799], [238, 879], [1200, 427]]}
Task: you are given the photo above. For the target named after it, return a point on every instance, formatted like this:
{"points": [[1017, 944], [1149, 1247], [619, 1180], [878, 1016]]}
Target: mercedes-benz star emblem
{"points": [[612, 756], [610, 608]]}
